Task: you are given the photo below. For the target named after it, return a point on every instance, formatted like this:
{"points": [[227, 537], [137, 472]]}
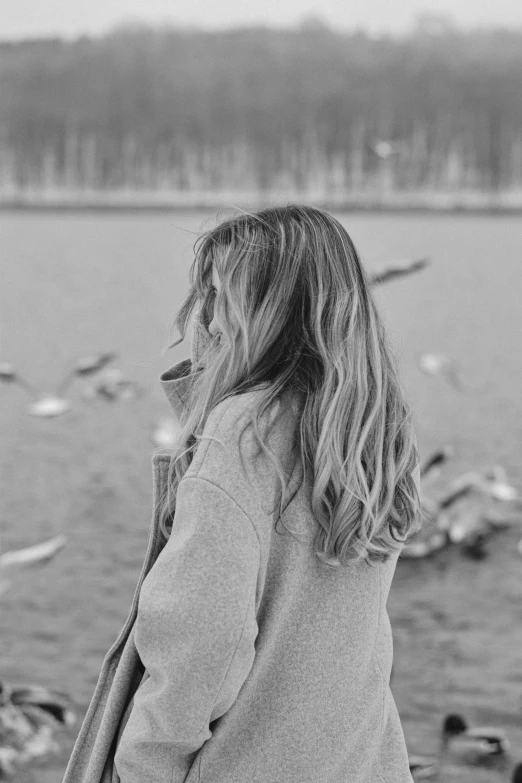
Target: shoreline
{"points": [[471, 203]]}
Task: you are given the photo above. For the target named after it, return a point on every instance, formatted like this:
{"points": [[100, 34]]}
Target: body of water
{"points": [[73, 284]]}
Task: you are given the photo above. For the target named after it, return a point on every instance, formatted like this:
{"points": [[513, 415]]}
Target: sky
{"points": [[72, 18]]}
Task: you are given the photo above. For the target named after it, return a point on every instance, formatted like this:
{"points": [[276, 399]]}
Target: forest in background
{"points": [[308, 110]]}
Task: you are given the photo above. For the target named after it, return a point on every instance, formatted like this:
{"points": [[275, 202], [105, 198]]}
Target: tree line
{"points": [[262, 108]]}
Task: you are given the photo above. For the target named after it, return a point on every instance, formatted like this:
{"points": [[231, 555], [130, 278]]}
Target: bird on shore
{"points": [[492, 481], [464, 515], [481, 515], [474, 506], [51, 702], [493, 501], [472, 745], [50, 404], [30, 717]]}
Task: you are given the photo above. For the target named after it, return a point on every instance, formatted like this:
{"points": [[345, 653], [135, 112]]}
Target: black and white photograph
{"points": [[260, 391]]}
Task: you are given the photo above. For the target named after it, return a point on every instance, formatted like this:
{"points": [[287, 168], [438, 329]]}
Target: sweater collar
{"points": [[175, 382]]}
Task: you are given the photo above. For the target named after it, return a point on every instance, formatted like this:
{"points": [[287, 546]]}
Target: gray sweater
{"points": [[243, 658]]}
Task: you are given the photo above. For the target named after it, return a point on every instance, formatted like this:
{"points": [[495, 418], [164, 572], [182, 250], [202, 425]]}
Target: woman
{"points": [[257, 652]]}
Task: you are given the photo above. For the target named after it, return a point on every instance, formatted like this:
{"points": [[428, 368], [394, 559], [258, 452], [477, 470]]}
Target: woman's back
{"points": [[306, 658]]}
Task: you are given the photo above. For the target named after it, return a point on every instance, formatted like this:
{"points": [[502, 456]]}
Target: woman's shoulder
{"points": [[229, 453], [230, 417]]}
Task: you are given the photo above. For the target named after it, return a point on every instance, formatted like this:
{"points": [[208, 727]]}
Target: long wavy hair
{"points": [[298, 316]]}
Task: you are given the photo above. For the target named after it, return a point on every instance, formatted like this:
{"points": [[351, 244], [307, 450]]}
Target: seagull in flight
{"points": [[398, 269], [49, 404], [440, 364]]}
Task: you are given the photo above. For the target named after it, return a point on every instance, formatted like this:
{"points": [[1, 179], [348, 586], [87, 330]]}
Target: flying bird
{"points": [[440, 364], [87, 366], [28, 556], [398, 269], [31, 555], [49, 404]]}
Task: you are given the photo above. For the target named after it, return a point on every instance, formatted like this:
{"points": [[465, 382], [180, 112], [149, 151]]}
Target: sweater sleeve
{"points": [[195, 633]]}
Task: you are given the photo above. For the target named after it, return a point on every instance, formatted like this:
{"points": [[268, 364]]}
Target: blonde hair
{"points": [[298, 315]]}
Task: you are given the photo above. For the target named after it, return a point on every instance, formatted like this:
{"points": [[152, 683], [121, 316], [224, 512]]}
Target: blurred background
{"points": [[128, 127]]}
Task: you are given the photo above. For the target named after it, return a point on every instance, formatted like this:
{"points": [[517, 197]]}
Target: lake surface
{"points": [[73, 284]]}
